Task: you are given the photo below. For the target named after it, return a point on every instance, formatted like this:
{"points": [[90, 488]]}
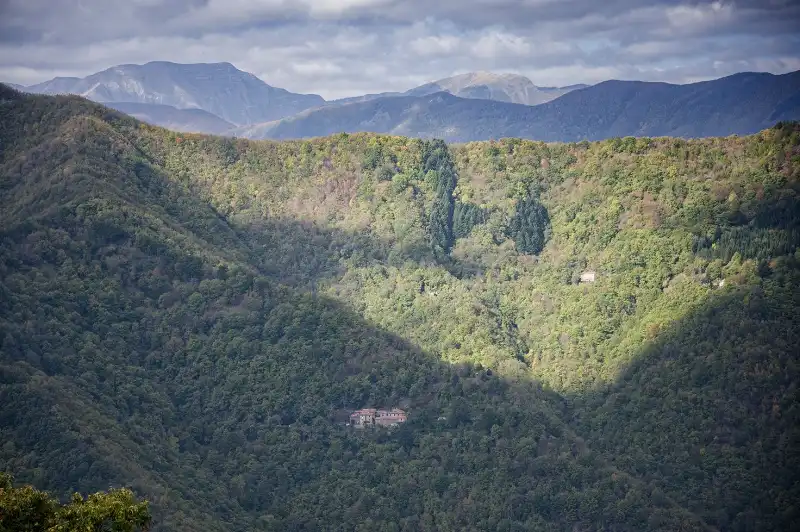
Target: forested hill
{"points": [[585, 336]]}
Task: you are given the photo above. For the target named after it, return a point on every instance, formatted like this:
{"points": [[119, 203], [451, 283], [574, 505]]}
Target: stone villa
{"points": [[371, 417]]}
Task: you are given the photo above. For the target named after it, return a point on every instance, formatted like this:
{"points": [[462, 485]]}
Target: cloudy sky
{"points": [[346, 47]]}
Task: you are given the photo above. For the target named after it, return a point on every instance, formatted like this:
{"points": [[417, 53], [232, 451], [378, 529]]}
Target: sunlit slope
{"points": [[192, 315]]}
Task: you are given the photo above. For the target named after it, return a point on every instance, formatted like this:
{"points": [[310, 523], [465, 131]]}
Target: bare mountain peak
{"points": [[485, 76], [503, 87], [221, 89], [181, 65], [481, 84]]}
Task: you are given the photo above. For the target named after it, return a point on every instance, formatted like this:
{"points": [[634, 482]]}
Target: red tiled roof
{"points": [[376, 412]]}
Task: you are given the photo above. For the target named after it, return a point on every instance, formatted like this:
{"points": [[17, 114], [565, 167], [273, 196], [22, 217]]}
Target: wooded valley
{"points": [[608, 329]]}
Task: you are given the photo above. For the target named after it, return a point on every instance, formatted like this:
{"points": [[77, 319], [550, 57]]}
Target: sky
{"points": [[339, 48]]}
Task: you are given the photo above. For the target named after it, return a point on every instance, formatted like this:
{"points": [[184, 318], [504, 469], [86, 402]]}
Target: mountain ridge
{"points": [[501, 87], [221, 89], [484, 85], [739, 104], [506, 87], [461, 108]]}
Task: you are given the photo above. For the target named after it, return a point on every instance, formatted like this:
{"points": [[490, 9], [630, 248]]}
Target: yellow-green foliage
{"points": [[211, 306], [25, 508]]}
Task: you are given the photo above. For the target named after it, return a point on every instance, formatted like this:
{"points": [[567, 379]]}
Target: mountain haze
{"points": [[740, 104], [241, 98], [511, 88], [466, 107], [15, 86], [57, 85], [365, 97], [586, 336], [188, 120], [218, 88]]}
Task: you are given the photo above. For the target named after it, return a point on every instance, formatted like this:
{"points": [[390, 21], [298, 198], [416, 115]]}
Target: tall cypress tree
{"points": [[440, 228], [465, 217], [530, 226]]}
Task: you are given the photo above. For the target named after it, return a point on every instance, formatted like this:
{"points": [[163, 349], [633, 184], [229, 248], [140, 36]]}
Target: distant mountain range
{"points": [[220, 99], [242, 99], [739, 104]]}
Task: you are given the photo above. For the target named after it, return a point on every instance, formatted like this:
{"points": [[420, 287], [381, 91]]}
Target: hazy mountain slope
{"points": [[188, 120], [482, 85], [192, 315], [14, 86], [219, 88], [439, 115], [59, 85], [510, 88], [740, 104], [364, 98]]}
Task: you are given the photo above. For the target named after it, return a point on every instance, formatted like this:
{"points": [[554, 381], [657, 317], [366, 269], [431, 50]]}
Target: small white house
{"points": [[588, 276]]}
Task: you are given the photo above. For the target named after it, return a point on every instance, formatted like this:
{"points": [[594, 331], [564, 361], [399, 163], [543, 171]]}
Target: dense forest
{"points": [[586, 336]]}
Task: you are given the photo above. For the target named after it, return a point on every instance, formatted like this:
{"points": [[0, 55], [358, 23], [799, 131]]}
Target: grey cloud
{"points": [[345, 47]]}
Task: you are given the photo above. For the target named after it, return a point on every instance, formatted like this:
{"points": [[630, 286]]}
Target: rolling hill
{"points": [[192, 316], [740, 104]]}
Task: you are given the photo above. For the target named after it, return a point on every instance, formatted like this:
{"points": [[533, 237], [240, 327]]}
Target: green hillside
{"points": [[193, 316]]}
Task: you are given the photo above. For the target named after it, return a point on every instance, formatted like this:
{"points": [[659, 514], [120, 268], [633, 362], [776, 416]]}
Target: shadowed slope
{"points": [[141, 345], [192, 316], [708, 412]]}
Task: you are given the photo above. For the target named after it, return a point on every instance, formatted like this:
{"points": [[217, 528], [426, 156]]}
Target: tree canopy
{"points": [[194, 317], [24, 508]]}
